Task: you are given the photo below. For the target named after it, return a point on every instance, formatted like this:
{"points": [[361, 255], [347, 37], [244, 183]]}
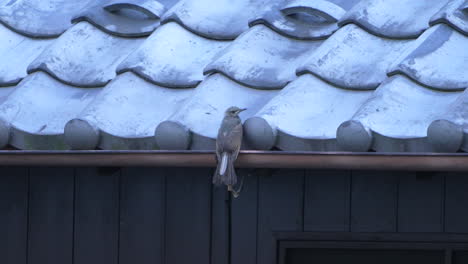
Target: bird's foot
{"points": [[234, 193]]}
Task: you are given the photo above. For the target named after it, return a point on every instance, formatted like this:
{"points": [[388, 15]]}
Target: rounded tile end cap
{"points": [[170, 135], [445, 136], [81, 135], [353, 136], [259, 134], [4, 133]]}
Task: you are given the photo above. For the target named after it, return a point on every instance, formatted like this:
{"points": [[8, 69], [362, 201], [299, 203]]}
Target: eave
{"points": [[246, 159]]}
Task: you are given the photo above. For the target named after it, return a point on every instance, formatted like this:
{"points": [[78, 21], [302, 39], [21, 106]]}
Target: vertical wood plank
{"points": [[220, 225], [280, 209], [456, 202], [188, 215], [142, 216], [244, 220], [13, 215], [373, 201], [96, 216], [50, 216], [327, 201], [420, 202]]}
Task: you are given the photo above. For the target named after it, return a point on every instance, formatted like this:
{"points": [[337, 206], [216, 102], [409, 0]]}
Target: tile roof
{"points": [[322, 75]]}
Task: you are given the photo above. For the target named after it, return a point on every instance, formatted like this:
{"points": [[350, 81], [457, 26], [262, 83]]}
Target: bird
{"points": [[228, 143]]}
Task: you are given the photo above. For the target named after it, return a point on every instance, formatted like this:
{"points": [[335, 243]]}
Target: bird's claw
{"points": [[235, 194]]}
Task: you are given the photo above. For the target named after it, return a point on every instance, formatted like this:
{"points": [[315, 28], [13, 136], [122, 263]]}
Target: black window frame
{"points": [[449, 243]]}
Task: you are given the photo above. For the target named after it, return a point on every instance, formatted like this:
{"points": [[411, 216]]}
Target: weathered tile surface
{"points": [[262, 58], [84, 56], [354, 59], [17, 52], [324, 75], [439, 60], [172, 57], [393, 18]]}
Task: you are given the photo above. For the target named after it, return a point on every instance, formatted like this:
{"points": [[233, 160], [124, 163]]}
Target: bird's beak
{"points": [[240, 110]]}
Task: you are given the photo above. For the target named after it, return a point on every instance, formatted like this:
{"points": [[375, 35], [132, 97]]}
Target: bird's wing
{"points": [[230, 135], [237, 137], [218, 151]]}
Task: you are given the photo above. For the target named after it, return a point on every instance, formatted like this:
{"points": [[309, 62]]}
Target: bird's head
{"points": [[234, 111]]}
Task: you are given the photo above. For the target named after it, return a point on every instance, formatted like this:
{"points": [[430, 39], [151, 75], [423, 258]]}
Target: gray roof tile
{"points": [[389, 81], [203, 112], [353, 58], [37, 110], [84, 56], [308, 109], [128, 110], [262, 58], [398, 115], [393, 18], [151, 9], [306, 20], [19, 51], [439, 59], [217, 19], [125, 19], [172, 57], [454, 13], [40, 19], [450, 132]]}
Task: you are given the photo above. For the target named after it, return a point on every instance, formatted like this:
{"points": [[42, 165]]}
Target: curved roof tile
{"points": [[203, 112], [439, 60], [172, 57], [306, 20], [353, 59], [399, 19], [128, 110], [450, 132], [125, 19], [217, 19], [306, 111], [84, 56], [40, 19], [420, 107], [38, 109], [262, 58], [454, 13], [18, 52], [399, 113]]}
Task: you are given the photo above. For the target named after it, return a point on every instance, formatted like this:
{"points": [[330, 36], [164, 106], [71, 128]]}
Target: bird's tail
{"points": [[225, 172]]}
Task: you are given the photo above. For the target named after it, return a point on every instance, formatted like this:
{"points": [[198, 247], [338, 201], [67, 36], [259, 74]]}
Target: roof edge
{"points": [[247, 159]]}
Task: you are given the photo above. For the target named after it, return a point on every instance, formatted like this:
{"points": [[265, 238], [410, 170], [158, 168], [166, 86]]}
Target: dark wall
{"points": [[160, 215]]}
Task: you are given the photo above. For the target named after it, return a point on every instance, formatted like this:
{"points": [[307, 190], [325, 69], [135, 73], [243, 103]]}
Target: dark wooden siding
{"points": [[165, 215]]}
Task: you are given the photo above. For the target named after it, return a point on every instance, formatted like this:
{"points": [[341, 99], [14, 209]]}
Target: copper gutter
{"points": [[247, 159]]}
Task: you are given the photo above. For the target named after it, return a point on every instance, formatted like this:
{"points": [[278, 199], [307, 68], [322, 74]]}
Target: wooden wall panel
{"points": [[374, 201], [175, 215], [244, 219], [327, 201], [96, 216], [142, 214], [220, 225], [420, 202], [13, 215], [188, 215], [50, 216], [280, 209], [456, 202]]}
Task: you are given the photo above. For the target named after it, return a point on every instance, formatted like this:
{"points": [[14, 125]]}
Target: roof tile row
{"points": [[323, 76]]}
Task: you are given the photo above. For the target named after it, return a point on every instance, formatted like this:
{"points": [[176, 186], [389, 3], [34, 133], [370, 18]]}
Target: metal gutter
{"points": [[247, 159]]}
